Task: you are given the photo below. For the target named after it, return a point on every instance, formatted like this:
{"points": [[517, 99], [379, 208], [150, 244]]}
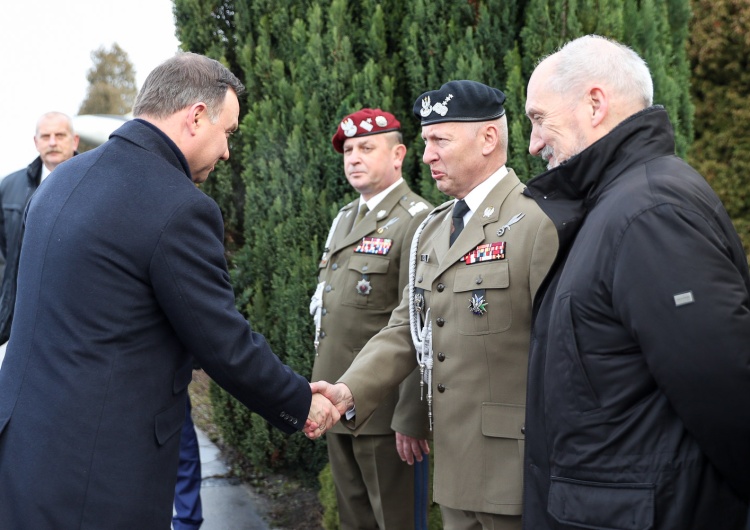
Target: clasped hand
{"points": [[329, 403]]}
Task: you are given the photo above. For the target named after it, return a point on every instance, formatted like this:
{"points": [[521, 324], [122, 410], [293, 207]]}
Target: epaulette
{"points": [[413, 207]]}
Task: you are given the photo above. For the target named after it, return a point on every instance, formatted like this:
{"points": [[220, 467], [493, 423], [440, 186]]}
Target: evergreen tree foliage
{"points": [[720, 56], [111, 80], [307, 64]]}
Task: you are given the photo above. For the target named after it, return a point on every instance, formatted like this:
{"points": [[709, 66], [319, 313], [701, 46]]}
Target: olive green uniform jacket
{"points": [[480, 361], [349, 318]]}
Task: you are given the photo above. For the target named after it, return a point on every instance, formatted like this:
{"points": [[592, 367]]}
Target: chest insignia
{"points": [[513, 220], [488, 212], [381, 214], [364, 287], [374, 245], [478, 305], [387, 225], [486, 252]]}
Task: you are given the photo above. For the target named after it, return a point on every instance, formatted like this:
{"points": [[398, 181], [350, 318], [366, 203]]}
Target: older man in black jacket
{"points": [[56, 142], [122, 282], [638, 412]]}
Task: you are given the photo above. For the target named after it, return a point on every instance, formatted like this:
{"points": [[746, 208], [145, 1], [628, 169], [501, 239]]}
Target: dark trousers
{"points": [[187, 491]]}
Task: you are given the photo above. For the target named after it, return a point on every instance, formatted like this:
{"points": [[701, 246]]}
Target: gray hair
{"points": [[183, 80], [597, 58]]}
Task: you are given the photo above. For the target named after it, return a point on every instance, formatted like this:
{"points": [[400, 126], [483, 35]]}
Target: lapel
{"points": [[379, 217], [473, 233]]}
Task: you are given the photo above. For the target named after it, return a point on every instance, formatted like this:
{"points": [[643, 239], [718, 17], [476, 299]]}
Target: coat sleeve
{"points": [[680, 286], [191, 284], [385, 361], [410, 416]]}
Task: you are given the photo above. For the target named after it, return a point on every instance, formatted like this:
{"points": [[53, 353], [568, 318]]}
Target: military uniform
{"points": [[363, 273], [479, 293]]}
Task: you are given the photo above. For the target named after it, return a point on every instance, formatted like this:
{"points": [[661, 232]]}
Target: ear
{"points": [[195, 115], [599, 103], [399, 152], [490, 136]]}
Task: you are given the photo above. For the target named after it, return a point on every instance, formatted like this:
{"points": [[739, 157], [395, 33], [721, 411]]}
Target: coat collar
{"points": [[382, 215], [567, 192], [151, 138], [473, 233]]}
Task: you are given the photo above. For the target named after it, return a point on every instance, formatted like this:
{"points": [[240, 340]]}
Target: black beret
{"points": [[460, 101]]}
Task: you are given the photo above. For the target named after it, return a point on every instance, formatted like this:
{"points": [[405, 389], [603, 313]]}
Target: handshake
{"points": [[329, 403]]}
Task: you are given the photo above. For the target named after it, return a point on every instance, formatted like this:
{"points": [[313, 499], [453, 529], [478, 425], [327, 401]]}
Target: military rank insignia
{"points": [[486, 252], [374, 245]]}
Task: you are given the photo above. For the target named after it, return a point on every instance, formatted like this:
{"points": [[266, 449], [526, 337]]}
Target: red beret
{"points": [[364, 123]]}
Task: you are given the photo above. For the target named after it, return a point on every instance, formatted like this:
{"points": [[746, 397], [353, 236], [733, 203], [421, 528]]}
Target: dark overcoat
{"points": [[638, 410], [123, 279]]}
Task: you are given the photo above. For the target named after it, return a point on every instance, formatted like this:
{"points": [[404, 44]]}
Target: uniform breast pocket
{"points": [[484, 298], [369, 285]]}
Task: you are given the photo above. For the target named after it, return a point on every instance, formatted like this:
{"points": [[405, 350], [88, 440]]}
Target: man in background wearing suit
{"points": [[465, 320], [363, 271], [122, 281]]}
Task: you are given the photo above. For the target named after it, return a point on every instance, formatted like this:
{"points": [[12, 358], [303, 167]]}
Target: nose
{"points": [[430, 155], [225, 156], [536, 144]]}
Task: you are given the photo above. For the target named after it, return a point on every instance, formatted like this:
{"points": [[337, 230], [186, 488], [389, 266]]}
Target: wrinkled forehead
{"points": [[52, 125]]}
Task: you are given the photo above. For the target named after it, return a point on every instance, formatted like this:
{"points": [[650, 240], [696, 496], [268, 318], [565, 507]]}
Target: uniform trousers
{"points": [[463, 520], [374, 487], [188, 511]]}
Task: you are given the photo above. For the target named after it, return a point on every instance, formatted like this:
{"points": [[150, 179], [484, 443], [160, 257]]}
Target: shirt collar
{"points": [[476, 197], [377, 199]]}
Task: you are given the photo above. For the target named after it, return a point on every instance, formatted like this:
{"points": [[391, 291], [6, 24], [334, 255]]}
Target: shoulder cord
{"points": [[421, 334]]}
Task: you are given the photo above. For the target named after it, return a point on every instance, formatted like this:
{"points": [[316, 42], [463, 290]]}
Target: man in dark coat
{"points": [[122, 281], [638, 410], [56, 142]]}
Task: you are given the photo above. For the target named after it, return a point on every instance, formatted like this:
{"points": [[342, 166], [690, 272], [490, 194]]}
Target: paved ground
{"points": [[227, 503]]}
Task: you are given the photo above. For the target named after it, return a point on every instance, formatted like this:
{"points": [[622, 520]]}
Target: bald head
{"points": [[580, 93]]}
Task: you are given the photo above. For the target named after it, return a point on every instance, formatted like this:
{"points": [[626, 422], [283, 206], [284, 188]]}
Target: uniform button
{"points": [[328, 288], [323, 311], [440, 322], [364, 269], [419, 280], [440, 287], [441, 356], [523, 429], [322, 334], [479, 280], [335, 266], [441, 387]]}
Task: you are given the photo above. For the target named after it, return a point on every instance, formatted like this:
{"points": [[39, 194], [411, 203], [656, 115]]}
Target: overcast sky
{"points": [[45, 53]]}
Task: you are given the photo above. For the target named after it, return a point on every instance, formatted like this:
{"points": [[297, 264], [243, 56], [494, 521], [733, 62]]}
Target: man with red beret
{"points": [[362, 273]]}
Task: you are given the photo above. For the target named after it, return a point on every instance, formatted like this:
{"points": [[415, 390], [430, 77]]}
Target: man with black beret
{"points": [[362, 273], [476, 263]]}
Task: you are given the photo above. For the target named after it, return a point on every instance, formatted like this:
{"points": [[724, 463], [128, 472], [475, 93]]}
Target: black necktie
{"points": [[459, 210]]}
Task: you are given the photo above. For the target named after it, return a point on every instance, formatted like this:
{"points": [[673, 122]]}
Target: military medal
{"points": [[478, 305], [364, 287], [486, 252], [374, 245]]}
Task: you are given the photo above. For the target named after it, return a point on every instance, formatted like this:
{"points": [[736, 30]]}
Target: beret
{"points": [[364, 122], [460, 101]]}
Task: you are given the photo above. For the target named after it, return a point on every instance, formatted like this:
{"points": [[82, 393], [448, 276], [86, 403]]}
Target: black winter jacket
{"points": [[638, 411], [15, 191]]}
